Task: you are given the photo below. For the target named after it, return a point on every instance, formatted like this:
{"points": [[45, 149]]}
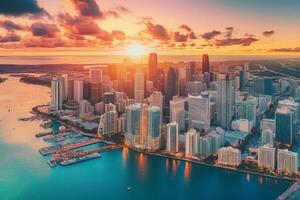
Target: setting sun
{"points": [[135, 50]]}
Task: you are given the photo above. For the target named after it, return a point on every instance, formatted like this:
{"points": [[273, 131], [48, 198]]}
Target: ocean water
{"points": [[25, 175]]}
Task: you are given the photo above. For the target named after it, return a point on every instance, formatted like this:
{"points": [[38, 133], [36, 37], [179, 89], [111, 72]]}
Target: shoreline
{"points": [[215, 166]]}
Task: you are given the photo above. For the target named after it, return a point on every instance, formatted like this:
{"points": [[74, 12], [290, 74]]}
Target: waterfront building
{"points": [[78, 90], [153, 124], [152, 66], [108, 123], [172, 137], [191, 143], [199, 113], [267, 136], [205, 63], [96, 74], [139, 86], [177, 112], [225, 102], [266, 157], [287, 161], [171, 86], [285, 125], [133, 124], [204, 146], [229, 156], [57, 94], [121, 124]]}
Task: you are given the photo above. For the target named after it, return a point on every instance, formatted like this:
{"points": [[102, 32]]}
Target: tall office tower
{"points": [[139, 86], [108, 123], [177, 113], [96, 92], [225, 102], [153, 136], [57, 94], [196, 87], [205, 63], [171, 85], [172, 137], [263, 85], [229, 156], [152, 66], [266, 157], [267, 136], [65, 82], [206, 79], [70, 89], [285, 126], [96, 74], [246, 109], [287, 161], [156, 99], [85, 107], [86, 90], [199, 112], [78, 90], [144, 125], [159, 81], [191, 143], [133, 124], [191, 72]]}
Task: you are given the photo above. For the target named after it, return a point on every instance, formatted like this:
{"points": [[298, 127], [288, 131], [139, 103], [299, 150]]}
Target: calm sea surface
{"points": [[25, 175]]}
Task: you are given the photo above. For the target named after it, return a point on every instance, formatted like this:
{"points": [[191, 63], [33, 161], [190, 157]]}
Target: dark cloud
{"points": [[283, 50], [192, 36], [10, 25], [44, 30], [87, 8], [229, 31], [177, 37], [185, 27], [268, 33], [44, 43], [10, 38], [236, 41], [157, 31], [20, 7], [210, 35]]}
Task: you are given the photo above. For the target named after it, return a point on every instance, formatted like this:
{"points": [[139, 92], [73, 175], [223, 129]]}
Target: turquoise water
{"points": [[24, 173]]}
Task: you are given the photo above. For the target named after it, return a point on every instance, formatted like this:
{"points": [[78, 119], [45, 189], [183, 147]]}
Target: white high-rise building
{"points": [[85, 107], [78, 90], [156, 99], [287, 161], [96, 74], [56, 93], [266, 157], [177, 112], [172, 137], [139, 86], [267, 136], [108, 123], [199, 112], [191, 143], [229, 156]]}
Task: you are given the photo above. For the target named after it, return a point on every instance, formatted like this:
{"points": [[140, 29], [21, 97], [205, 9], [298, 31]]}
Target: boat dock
{"points": [[292, 193], [66, 147], [51, 132]]}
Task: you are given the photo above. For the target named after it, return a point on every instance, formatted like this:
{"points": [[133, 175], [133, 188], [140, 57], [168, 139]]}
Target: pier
{"points": [[292, 193], [51, 132]]}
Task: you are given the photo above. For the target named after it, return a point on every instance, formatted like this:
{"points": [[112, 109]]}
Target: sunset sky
{"points": [[221, 27]]}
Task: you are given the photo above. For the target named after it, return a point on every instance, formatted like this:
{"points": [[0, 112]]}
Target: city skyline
{"points": [[104, 27]]}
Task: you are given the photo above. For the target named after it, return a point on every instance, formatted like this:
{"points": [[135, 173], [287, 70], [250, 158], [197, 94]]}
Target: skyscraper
{"points": [[57, 93], [65, 82], [152, 66], [285, 126], [108, 123], [191, 143], [246, 109], [177, 112], [133, 124], [156, 99], [205, 63], [225, 101], [199, 112], [172, 137], [287, 161], [139, 86], [229, 156], [153, 136], [78, 90], [96, 74], [266, 157], [171, 85]]}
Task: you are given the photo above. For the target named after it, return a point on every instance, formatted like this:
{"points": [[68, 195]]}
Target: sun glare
{"points": [[136, 50]]}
